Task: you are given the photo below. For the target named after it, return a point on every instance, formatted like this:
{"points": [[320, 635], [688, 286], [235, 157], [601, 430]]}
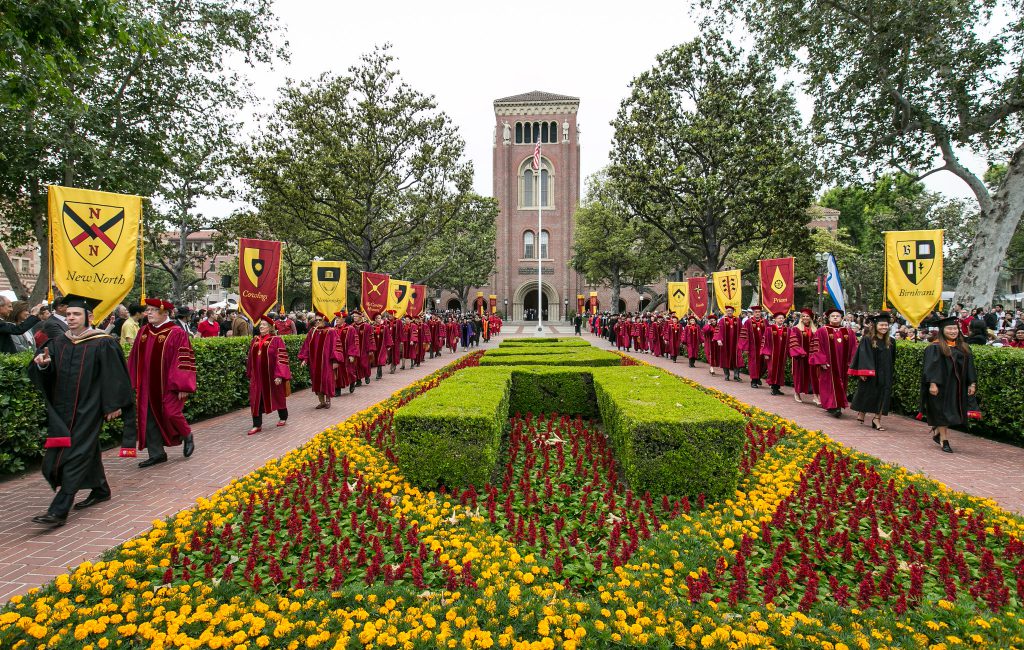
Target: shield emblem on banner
{"points": [[328, 277], [728, 284], [254, 265], [93, 230], [917, 258], [400, 291]]}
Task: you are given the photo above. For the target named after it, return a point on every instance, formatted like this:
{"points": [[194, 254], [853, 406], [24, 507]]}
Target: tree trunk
{"points": [[12, 273], [39, 220], [616, 290], [995, 229]]}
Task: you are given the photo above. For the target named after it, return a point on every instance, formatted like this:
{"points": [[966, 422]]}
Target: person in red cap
{"points": [[269, 375], [776, 348], [347, 347], [712, 352], [727, 340], [162, 366], [693, 337], [751, 341], [805, 382], [425, 340], [320, 352], [832, 350], [411, 341], [382, 344], [453, 333], [437, 336], [367, 345]]}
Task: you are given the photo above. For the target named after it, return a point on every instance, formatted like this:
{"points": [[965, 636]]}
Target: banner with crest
{"points": [[417, 300], [913, 272], [777, 285], [330, 286], [698, 295], [399, 293], [728, 290], [94, 238], [259, 267], [374, 293]]}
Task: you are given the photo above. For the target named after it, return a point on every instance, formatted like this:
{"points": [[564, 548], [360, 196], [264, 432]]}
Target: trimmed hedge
{"points": [[221, 388], [587, 357], [445, 438], [545, 342], [668, 437]]}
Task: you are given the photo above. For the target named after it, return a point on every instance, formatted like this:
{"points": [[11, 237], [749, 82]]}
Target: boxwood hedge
{"points": [[565, 390], [584, 357], [544, 342], [222, 387]]}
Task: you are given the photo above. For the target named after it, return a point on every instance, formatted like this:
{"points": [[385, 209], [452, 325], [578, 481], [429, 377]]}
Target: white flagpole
{"points": [[540, 231]]}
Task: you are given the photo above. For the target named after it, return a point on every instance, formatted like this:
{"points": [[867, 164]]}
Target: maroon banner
{"points": [[698, 293], [579, 304], [417, 300], [374, 295], [478, 304], [259, 266], [777, 285], [494, 303]]}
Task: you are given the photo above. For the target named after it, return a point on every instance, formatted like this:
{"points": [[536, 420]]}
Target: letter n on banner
{"points": [[259, 265]]}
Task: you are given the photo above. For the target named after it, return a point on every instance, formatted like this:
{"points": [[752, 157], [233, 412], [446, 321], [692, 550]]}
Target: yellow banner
{"points": [[679, 298], [330, 287], [593, 302], [94, 237], [728, 291], [398, 296], [913, 272]]}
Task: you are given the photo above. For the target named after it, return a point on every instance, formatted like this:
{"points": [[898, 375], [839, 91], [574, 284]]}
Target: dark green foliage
{"points": [[222, 387], [544, 343], [445, 438], [569, 357], [668, 437], [568, 391]]}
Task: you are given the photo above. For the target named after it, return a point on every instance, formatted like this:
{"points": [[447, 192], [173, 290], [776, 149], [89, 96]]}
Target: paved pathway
{"points": [[978, 466], [31, 555]]}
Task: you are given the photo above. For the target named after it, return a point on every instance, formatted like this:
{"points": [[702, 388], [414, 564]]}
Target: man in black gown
{"points": [[84, 380]]}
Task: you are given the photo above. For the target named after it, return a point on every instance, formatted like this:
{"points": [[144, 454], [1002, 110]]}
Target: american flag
{"points": [[536, 156]]}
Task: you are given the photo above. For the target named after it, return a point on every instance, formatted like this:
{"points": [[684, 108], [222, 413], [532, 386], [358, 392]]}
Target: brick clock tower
{"points": [[521, 121]]}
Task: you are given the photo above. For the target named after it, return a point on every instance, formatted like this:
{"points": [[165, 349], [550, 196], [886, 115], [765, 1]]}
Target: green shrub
{"points": [[544, 342], [445, 438], [569, 391], [668, 437], [221, 388], [585, 357]]}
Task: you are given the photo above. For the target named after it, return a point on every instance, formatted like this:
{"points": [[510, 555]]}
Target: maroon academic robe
{"points": [[437, 335], [411, 340], [711, 351], [834, 347], [634, 334], [805, 381], [693, 336], [320, 351], [347, 347], [654, 338], [728, 333], [382, 345], [425, 342], [161, 365], [267, 361], [622, 329], [367, 346], [751, 341], [453, 335], [776, 348], [398, 338]]}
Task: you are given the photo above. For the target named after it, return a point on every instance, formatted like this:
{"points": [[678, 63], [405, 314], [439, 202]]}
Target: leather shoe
{"points": [[149, 462], [255, 430], [946, 448], [189, 447], [91, 501], [50, 520]]}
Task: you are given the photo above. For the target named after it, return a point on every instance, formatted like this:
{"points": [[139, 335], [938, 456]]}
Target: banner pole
{"points": [[142, 255], [540, 236], [49, 256], [885, 273]]}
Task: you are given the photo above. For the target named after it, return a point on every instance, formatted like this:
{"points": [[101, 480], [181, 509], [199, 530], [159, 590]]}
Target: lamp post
{"points": [[506, 310], [565, 309], [822, 259]]}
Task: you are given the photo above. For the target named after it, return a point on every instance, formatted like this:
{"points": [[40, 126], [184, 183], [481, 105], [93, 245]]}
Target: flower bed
{"points": [[818, 547]]}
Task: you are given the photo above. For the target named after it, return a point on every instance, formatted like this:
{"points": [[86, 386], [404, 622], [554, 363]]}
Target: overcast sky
{"points": [[467, 54]]}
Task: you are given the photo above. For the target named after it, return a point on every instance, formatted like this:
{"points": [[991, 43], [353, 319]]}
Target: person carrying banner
{"points": [[712, 352], [751, 340], [319, 351], [84, 381], [727, 336], [269, 375], [832, 349], [776, 348], [874, 365], [162, 367], [693, 336], [805, 380], [949, 381], [398, 335]]}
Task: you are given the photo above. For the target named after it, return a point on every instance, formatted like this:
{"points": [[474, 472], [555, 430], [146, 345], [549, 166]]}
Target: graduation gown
{"points": [[694, 337], [776, 348], [425, 342], [453, 335], [412, 341], [751, 340], [805, 381], [654, 338], [382, 345], [86, 379], [347, 346], [834, 347], [953, 375], [161, 365], [367, 346], [267, 361], [712, 353], [319, 351], [437, 335], [876, 364], [397, 340], [728, 333]]}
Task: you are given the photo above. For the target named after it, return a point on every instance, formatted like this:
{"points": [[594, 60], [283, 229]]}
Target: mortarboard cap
{"points": [[82, 302]]}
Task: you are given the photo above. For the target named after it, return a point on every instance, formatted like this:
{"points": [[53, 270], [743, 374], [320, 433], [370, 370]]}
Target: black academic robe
{"points": [[877, 364], [86, 379], [953, 374]]}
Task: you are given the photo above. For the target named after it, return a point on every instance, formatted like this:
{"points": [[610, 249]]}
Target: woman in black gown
{"points": [[948, 382], [874, 365]]}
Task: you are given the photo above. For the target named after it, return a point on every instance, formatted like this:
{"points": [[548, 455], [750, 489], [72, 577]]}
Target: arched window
{"points": [[544, 244], [529, 192], [519, 132], [528, 250]]}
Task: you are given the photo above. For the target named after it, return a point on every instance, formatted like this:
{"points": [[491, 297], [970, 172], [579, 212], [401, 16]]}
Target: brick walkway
{"points": [[31, 555], [978, 466]]}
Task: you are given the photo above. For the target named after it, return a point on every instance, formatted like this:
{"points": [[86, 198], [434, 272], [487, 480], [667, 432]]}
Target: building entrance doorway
{"points": [[530, 306]]}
